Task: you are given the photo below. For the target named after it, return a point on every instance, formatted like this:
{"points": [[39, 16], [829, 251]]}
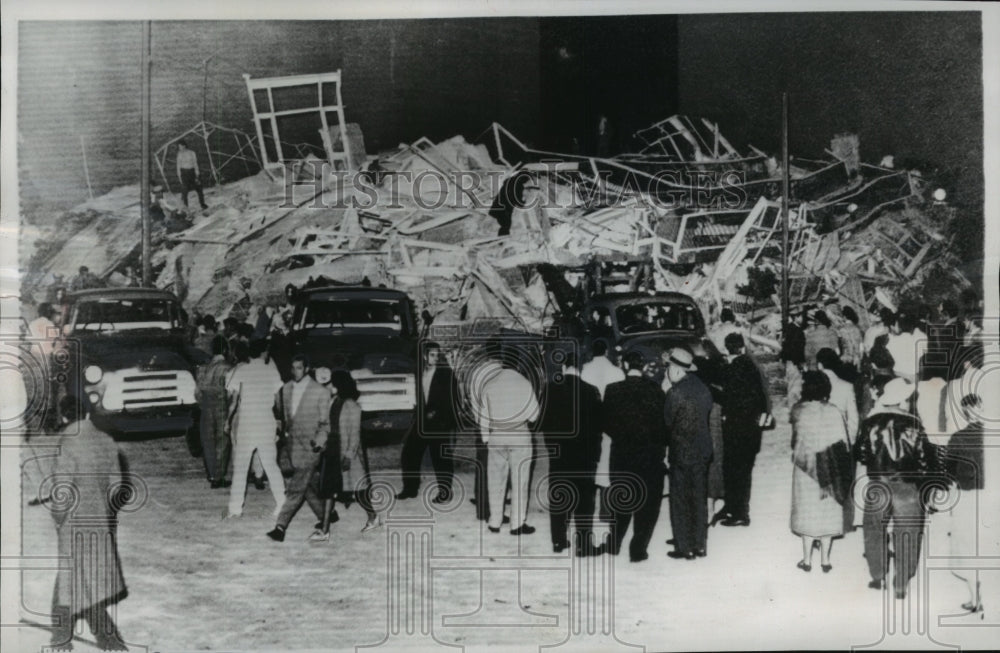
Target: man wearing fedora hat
{"points": [[900, 460], [689, 451]]}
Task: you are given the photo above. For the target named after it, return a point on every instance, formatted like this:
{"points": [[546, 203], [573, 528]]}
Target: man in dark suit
{"points": [[633, 419], [745, 405], [437, 395], [303, 406], [688, 405], [571, 423]]}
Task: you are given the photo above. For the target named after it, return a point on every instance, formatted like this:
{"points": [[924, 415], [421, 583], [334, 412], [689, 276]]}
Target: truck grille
{"points": [[385, 391], [144, 390], [136, 390]]}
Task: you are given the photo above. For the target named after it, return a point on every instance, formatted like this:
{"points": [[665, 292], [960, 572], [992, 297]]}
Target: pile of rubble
{"points": [[688, 212]]}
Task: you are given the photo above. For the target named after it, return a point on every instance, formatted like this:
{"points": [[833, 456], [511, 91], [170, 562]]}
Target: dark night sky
{"points": [[909, 83]]}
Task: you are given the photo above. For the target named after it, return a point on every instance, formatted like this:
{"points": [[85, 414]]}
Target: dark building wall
{"points": [[909, 83], [401, 80], [622, 66]]}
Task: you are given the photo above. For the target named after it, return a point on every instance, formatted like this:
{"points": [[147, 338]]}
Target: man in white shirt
{"points": [[507, 404], [252, 387], [904, 345], [189, 174], [880, 323], [600, 372]]}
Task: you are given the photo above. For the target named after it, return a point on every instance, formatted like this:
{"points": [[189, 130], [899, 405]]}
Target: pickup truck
{"points": [[372, 333], [133, 364]]}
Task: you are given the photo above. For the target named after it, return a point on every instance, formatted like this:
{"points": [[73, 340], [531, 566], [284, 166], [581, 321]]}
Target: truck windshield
{"points": [[640, 318], [114, 314], [353, 314]]}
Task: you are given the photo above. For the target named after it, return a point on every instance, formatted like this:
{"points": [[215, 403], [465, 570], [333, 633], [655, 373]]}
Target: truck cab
{"points": [[133, 363], [372, 333]]}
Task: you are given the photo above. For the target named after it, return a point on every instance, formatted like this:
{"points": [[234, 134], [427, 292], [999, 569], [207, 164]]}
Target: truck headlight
{"points": [[94, 398], [93, 374]]}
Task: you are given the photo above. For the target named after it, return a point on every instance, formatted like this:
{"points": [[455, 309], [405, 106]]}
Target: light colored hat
{"points": [[896, 392], [681, 358], [323, 375]]}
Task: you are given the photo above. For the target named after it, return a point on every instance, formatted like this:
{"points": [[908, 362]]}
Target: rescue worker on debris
{"points": [[189, 174]]}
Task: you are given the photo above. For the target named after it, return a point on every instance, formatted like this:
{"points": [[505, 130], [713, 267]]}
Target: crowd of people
{"points": [[900, 400], [884, 414]]}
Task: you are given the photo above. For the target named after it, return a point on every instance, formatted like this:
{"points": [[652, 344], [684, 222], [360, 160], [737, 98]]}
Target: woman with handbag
{"points": [[823, 472]]}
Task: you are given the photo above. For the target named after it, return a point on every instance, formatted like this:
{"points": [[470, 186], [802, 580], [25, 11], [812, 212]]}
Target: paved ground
{"points": [[199, 583]]}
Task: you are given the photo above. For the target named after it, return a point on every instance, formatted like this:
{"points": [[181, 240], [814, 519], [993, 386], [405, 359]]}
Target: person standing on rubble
{"points": [[189, 174], [633, 418], [210, 393], [510, 197], [605, 136]]}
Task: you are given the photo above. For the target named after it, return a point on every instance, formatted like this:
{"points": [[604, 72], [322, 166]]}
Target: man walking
{"points": [[189, 174], [91, 578], [211, 396], [894, 448], [434, 428], [744, 409], [303, 407], [252, 387], [572, 427], [633, 419], [508, 405], [686, 412]]}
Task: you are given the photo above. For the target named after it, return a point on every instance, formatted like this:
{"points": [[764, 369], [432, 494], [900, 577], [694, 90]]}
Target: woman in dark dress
{"points": [[345, 471]]}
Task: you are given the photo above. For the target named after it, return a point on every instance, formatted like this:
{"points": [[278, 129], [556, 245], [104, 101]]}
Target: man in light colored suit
{"points": [[303, 407], [508, 404], [253, 386]]}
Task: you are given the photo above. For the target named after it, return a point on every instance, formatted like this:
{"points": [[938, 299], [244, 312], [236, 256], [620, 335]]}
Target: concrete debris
{"points": [[419, 219]]}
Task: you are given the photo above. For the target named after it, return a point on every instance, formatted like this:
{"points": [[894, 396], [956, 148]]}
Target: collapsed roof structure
{"points": [[687, 212]]}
